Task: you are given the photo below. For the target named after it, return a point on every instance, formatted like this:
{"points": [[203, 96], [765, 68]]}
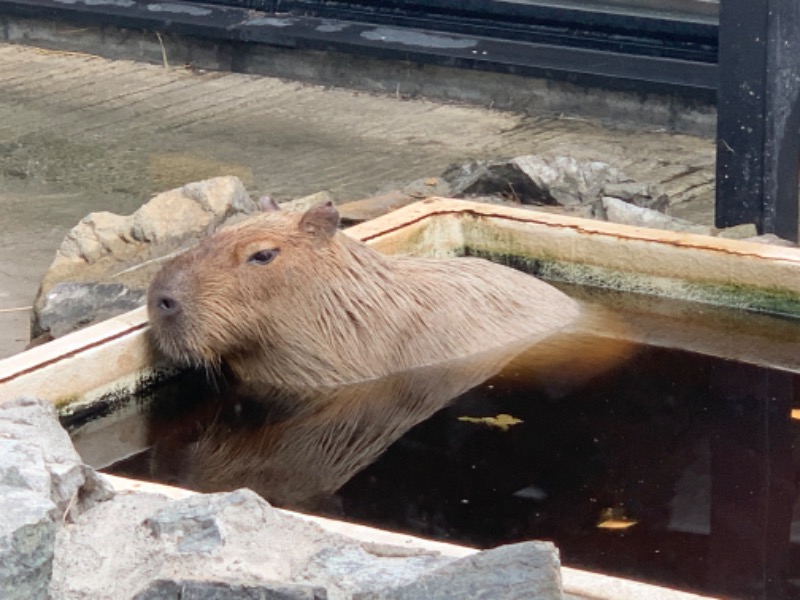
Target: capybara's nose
{"points": [[166, 305]]}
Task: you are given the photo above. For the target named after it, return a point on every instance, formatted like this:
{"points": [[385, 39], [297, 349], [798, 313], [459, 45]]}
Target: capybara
{"points": [[287, 300]]}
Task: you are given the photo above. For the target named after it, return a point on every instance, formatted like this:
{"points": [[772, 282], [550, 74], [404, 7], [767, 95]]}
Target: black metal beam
{"points": [[758, 108], [669, 72]]}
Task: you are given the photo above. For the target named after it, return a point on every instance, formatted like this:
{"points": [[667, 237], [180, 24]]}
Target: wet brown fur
{"points": [[329, 310]]}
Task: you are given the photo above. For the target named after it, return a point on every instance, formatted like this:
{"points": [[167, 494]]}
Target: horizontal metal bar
{"points": [[240, 24]]}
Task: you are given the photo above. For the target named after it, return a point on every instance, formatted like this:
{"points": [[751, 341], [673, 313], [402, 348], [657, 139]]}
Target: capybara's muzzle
{"points": [[166, 310], [164, 305], [164, 301]]}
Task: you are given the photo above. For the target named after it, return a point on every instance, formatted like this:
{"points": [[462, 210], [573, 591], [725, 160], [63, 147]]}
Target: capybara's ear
{"points": [[268, 204], [322, 219]]}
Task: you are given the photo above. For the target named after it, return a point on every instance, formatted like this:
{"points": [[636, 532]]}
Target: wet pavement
{"points": [[80, 133]]}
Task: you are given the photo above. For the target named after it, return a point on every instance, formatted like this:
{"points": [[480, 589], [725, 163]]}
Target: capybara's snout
{"points": [[163, 304], [164, 298], [166, 307]]}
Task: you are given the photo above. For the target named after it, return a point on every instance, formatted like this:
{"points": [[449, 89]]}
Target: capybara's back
{"points": [[284, 298]]}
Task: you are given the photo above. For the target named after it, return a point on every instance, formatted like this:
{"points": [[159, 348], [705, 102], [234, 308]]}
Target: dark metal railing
{"points": [[758, 115]]}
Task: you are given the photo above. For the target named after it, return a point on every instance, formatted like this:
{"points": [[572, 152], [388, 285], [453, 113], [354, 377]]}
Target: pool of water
{"points": [[667, 466]]}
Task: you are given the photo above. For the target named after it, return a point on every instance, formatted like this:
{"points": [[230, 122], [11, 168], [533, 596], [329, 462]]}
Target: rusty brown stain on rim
{"points": [[72, 353]]}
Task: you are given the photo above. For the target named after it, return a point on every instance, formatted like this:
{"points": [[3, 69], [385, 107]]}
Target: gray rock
{"points": [[560, 180], [68, 306], [618, 211], [27, 534], [43, 482], [513, 572], [195, 524], [184, 589], [38, 456], [221, 538], [644, 195], [566, 180], [360, 569], [503, 178], [235, 545], [111, 535]]}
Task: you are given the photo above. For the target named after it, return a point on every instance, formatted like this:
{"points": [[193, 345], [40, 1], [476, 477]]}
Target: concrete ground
{"points": [[80, 133]]}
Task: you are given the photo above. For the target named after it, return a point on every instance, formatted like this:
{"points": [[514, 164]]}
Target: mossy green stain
{"points": [[767, 300]]}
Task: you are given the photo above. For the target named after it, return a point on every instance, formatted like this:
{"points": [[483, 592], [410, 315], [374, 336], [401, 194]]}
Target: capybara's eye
{"points": [[262, 257]]}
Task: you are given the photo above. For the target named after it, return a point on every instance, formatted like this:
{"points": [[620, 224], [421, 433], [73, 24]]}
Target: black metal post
{"points": [[758, 103]]}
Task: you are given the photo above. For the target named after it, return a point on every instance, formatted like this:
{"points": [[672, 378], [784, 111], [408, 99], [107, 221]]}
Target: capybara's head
{"points": [[236, 288]]}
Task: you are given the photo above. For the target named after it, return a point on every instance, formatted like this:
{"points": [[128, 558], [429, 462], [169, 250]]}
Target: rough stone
{"points": [[43, 482], [481, 178], [359, 570], [38, 455], [195, 525], [618, 211], [110, 535], [568, 181], [645, 195], [235, 545], [70, 305], [186, 589], [169, 217], [525, 570], [560, 180], [228, 538], [27, 533], [142, 538], [95, 236]]}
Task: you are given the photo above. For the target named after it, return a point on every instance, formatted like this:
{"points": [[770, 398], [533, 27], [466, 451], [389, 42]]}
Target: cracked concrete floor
{"points": [[79, 133]]}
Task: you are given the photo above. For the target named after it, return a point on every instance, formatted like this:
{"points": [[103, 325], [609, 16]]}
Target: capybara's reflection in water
{"points": [[297, 448]]}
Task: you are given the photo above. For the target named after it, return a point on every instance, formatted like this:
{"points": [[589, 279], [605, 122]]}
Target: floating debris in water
{"points": [[531, 492], [615, 519], [502, 421]]}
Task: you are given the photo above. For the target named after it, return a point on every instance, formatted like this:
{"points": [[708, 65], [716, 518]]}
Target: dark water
{"points": [[670, 466]]}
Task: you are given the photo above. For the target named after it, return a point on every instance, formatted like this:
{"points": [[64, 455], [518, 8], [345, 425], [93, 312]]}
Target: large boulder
{"points": [[524, 570], [556, 181], [235, 545], [43, 484]]}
